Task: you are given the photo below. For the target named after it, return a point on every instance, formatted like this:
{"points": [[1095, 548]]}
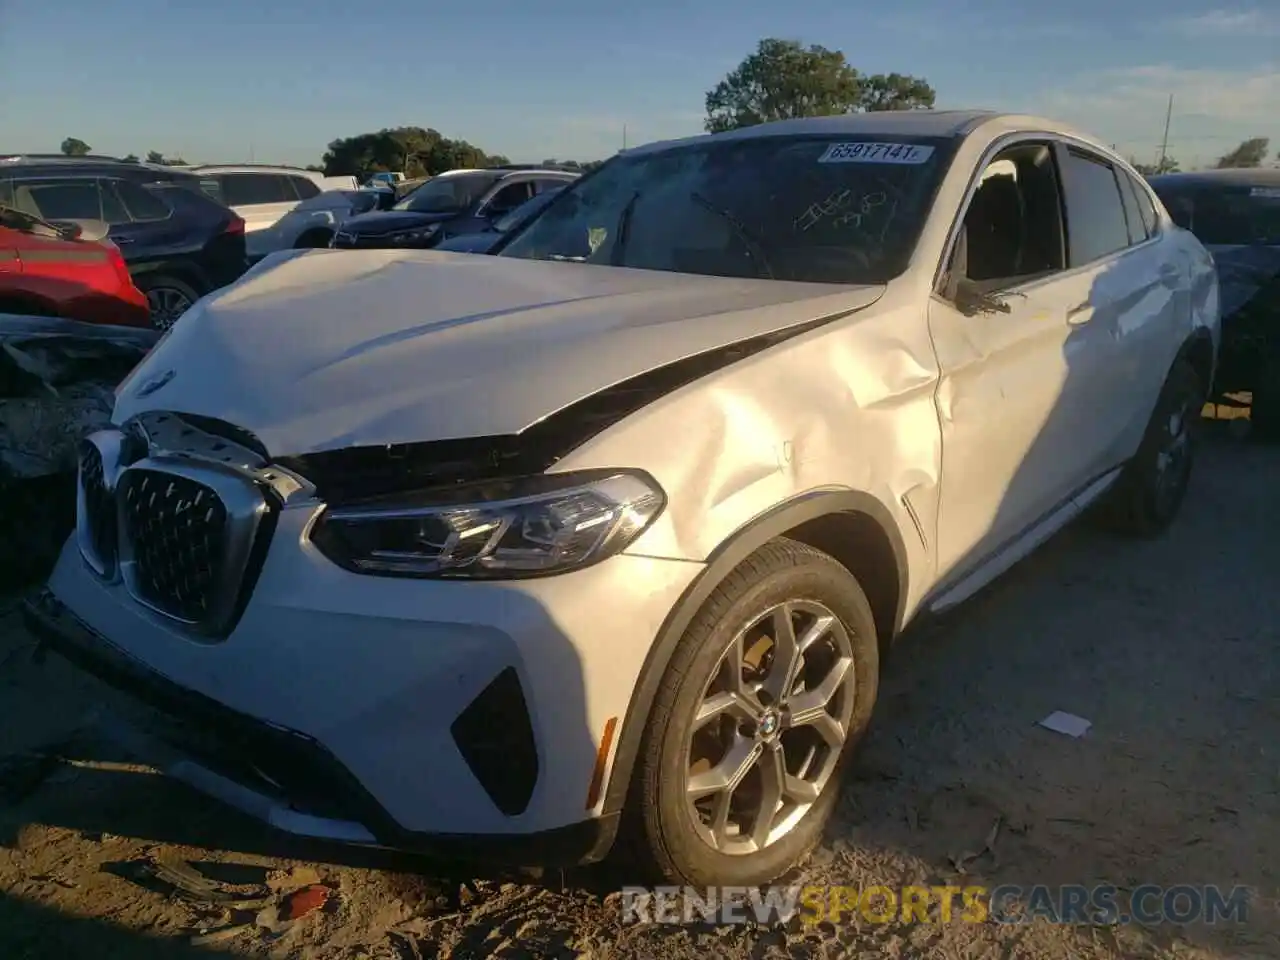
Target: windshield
{"points": [[525, 211], [785, 208], [448, 194]]}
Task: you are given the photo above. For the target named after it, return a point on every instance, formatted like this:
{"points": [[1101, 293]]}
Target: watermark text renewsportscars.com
{"points": [[1102, 905]]}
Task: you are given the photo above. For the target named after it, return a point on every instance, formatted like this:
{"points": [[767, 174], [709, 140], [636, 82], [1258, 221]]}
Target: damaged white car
{"points": [[611, 530]]}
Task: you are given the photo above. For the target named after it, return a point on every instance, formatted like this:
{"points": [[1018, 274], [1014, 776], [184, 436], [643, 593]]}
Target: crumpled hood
{"points": [[323, 349]]}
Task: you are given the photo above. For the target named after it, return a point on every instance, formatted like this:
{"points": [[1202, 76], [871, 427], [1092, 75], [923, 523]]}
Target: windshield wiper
{"points": [[753, 248], [20, 220], [624, 230]]}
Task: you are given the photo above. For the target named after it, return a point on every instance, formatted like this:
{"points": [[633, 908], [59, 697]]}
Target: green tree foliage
{"points": [[1165, 165], [1250, 153], [75, 148], [413, 151], [155, 156], [783, 79], [130, 158]]}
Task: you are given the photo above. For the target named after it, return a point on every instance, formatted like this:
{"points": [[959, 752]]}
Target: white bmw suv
{"points": [[610, 531]]}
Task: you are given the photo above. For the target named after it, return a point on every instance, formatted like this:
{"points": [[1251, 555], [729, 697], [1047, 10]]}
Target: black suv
{"points": [[452, 204], [178, 242], [1236, 215]]}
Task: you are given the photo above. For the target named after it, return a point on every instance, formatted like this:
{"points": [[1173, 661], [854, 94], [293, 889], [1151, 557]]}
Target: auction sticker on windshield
{"points": [[876, 153]]}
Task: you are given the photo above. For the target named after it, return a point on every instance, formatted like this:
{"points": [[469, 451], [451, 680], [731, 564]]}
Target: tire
{"points": [[671, 835], [1264, 415], [313, 240], [1154, 483], [168, 297]]}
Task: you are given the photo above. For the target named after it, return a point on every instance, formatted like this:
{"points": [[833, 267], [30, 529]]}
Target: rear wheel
{"points": [[765, 696], [1150, 492], [167, 297]]}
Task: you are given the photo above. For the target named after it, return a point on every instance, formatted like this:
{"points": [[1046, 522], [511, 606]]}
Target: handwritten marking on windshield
{"points": [[841, 208]]}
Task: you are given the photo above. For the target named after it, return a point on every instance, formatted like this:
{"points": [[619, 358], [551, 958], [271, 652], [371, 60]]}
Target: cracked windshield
{"points": [[579, 481]]}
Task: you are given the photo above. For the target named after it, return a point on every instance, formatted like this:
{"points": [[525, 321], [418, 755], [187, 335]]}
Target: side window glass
{"points": [[249, 189], [1137, 229], [543, 186], [1146, 209], [60, 199], [1096, 225], [113, 211], [509, 197], [1012, 229], [141, 203], [305, 188]]}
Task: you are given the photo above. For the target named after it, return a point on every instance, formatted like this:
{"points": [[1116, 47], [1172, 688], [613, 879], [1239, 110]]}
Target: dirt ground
{"points": [[1169, 648]]}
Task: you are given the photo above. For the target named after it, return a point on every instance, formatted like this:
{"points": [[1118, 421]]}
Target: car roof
{"points": [[1231, 177], [251, 168], [887, 123]]}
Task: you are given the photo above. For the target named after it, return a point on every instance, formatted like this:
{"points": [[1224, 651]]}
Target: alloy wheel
{"points": [[1173, 457], [167, 304], [770, 728]]}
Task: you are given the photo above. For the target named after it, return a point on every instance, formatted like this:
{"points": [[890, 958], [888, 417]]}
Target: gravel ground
{"points": [[1168, 647]]}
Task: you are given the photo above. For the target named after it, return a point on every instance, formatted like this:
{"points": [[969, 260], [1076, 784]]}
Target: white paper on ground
{"points": [[1067, 723]]}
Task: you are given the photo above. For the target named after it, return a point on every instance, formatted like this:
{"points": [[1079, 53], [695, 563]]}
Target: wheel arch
{"points": [[853, 527], [1197, 350]]}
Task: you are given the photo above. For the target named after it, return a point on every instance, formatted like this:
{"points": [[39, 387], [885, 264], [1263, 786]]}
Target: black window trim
{"points": [[1067, 144]]}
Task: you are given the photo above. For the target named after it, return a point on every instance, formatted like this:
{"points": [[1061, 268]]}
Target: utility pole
{"points": [[1164, 143], [624, 136]]}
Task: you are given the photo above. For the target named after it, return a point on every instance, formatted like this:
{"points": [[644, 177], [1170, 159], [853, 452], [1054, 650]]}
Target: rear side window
{"points": [[141, 203], [305, 188], [1137, 228], [59, 199], [1096, 224], [248, 189], [1146, 209]]}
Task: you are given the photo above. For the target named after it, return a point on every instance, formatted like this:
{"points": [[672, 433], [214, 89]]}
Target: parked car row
{"points": [[608, 533], [1236, 215]]}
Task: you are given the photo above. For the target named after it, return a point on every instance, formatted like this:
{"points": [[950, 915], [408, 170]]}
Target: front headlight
{"points": [[531, 527], [417, 235]]}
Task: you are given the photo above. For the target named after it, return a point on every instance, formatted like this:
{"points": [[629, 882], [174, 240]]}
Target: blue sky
{"points": [[275, 80]]}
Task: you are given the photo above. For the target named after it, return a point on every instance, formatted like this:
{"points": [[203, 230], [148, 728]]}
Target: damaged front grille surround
{"points": [[181, 515]]}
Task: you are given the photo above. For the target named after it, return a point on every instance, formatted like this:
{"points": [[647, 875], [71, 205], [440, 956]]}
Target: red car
{"points": [[65, 270]]}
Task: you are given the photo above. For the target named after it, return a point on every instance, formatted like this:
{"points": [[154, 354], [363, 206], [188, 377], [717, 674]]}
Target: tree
{"points": [[413, 151], [130, 158], [1250, 153], [156, 157], [783, 79], [75, 148], [1163, 165], [896, 91]]}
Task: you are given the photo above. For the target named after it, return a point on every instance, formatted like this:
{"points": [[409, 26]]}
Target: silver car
{"points": [[611, 530]]}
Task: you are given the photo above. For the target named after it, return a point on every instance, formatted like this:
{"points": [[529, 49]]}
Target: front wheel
{"points": [[765, 696], [1149, 493]]}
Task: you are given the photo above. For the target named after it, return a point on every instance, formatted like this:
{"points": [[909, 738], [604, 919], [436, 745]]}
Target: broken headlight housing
{"points": [[532, 527]]}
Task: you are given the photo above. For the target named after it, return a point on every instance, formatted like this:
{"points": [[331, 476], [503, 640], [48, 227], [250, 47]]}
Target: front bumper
{"points": [[221, 752], [333, 708]]}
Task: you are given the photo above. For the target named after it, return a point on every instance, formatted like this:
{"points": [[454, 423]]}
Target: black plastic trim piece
{"points": [[720, 564], [58, 629]]}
